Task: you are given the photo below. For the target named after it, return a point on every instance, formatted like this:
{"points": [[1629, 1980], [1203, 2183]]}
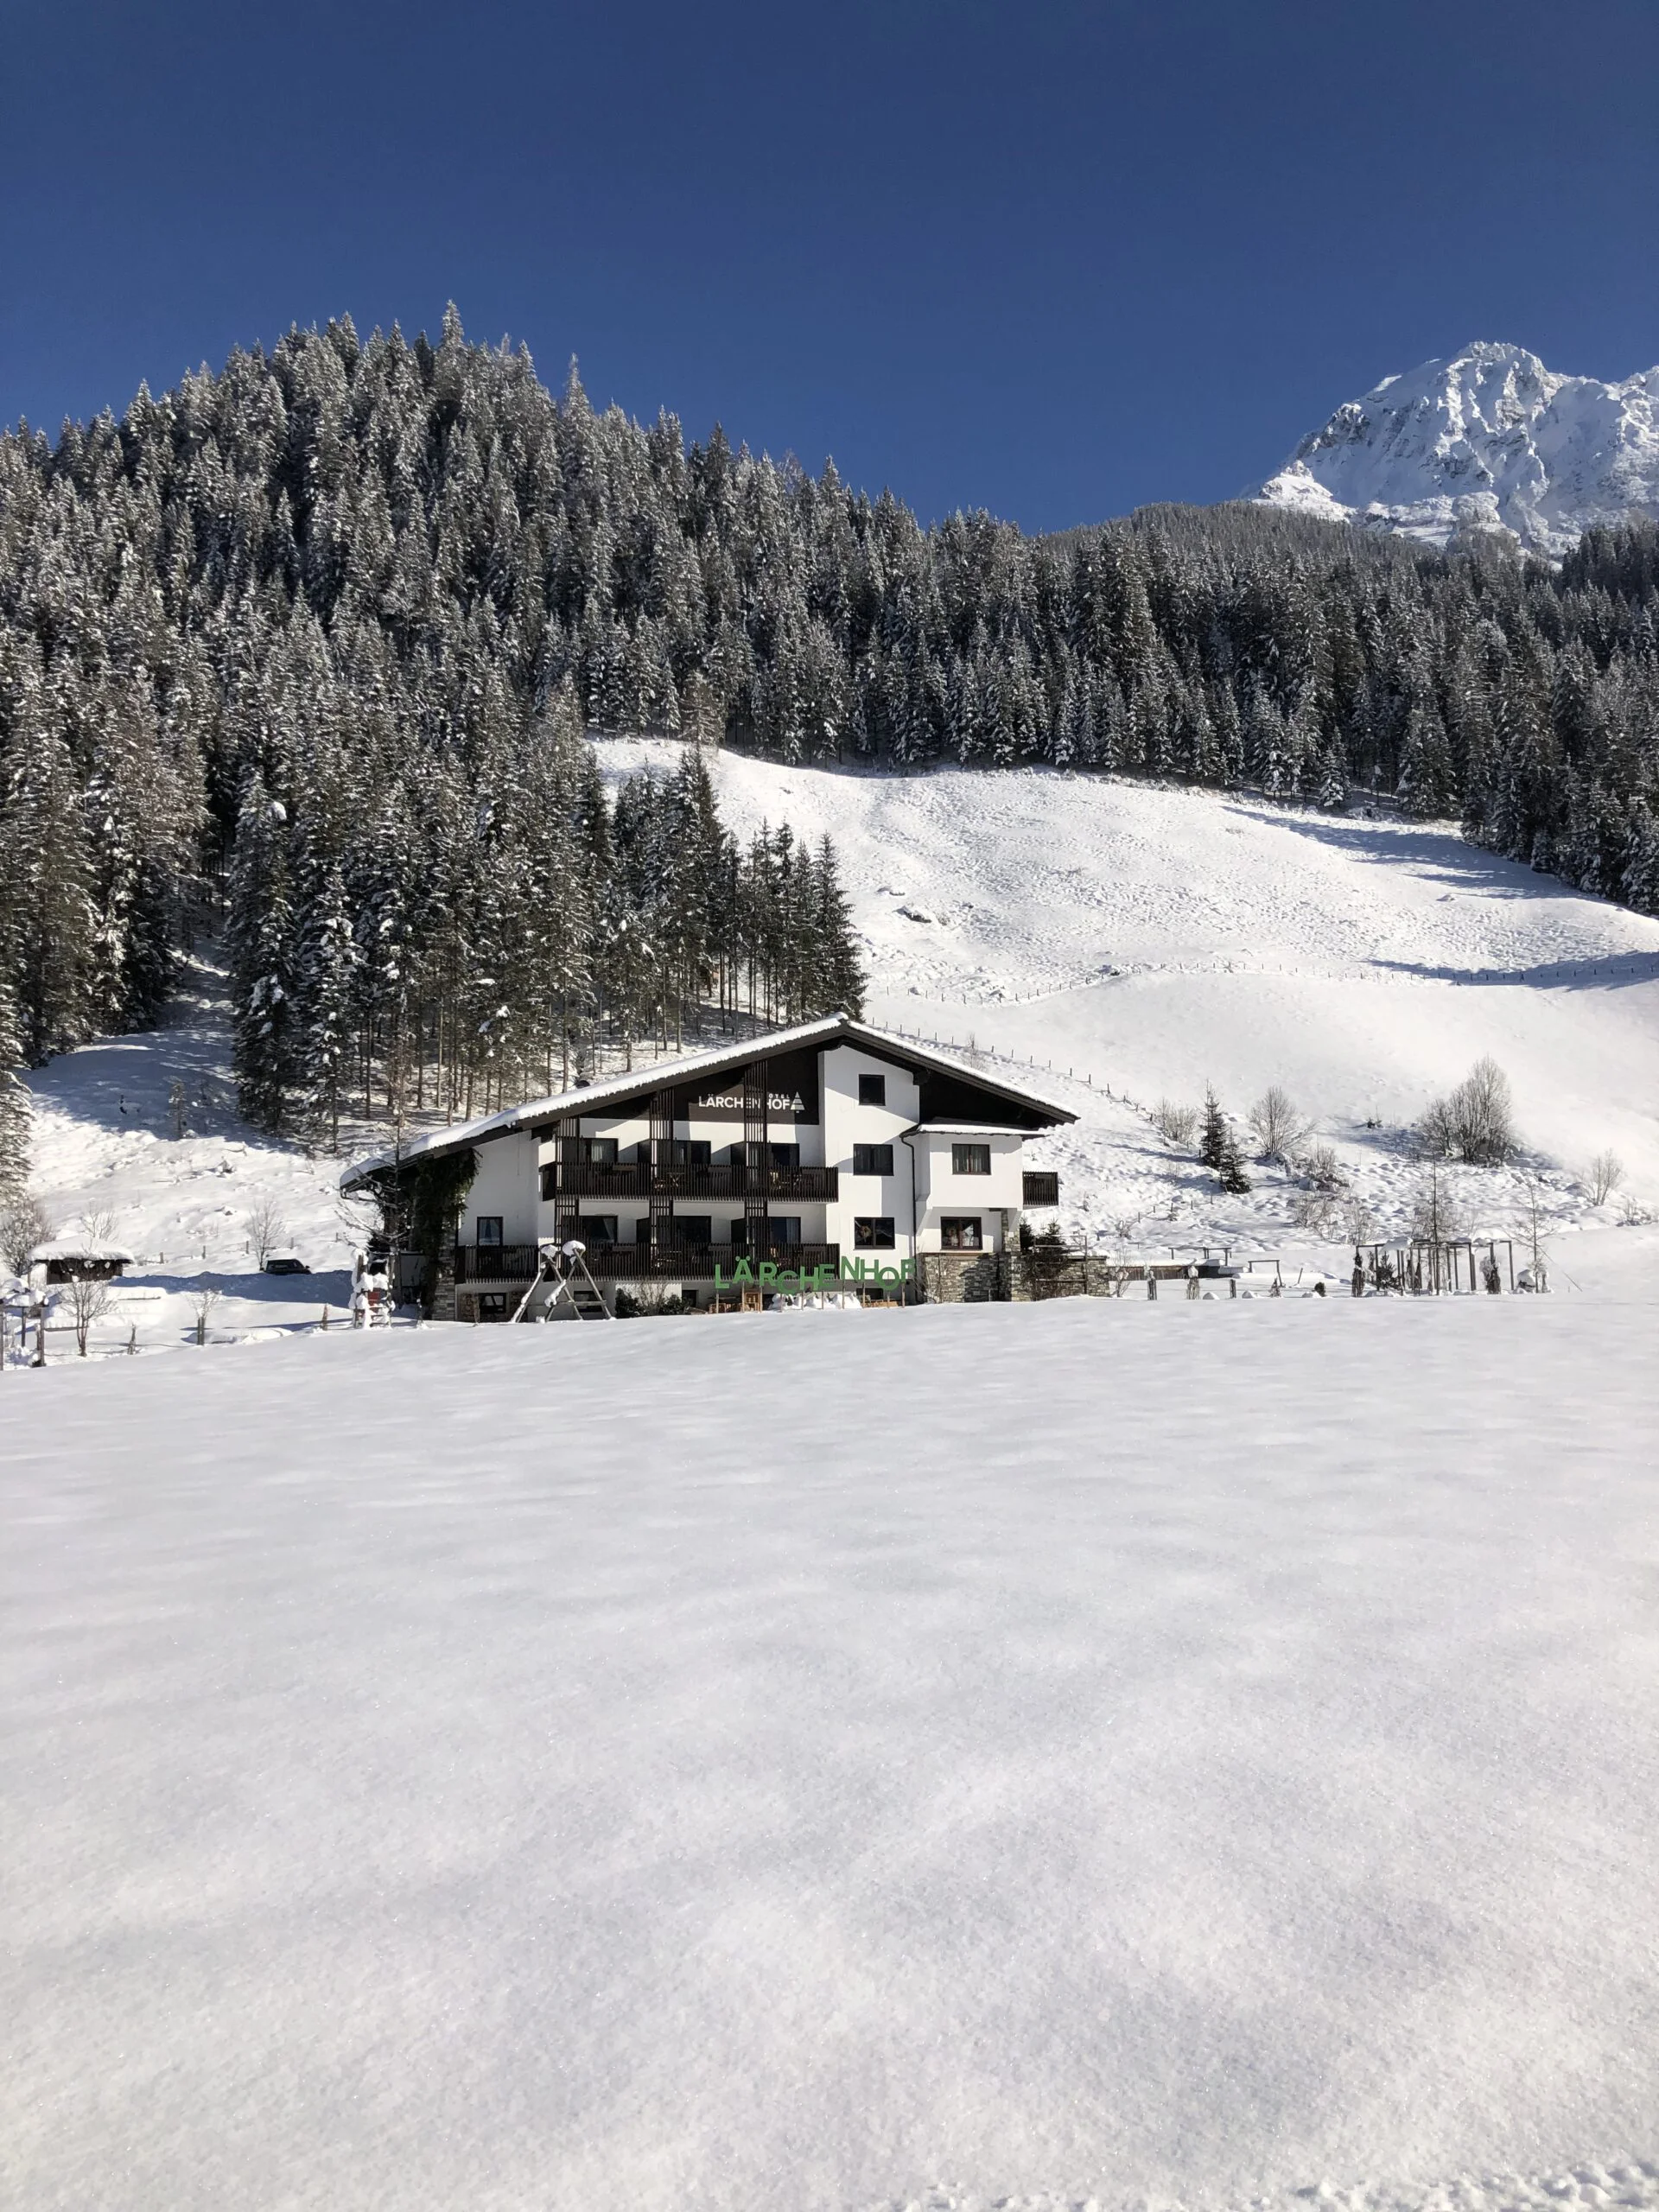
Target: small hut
{"points": [[79, 1258]]}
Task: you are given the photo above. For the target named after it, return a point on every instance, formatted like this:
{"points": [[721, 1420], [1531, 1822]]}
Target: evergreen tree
{"points": [[13, 1102]]}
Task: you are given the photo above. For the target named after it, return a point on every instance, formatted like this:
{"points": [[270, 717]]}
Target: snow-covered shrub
{"points": [[1320, 1168], [1175, 1124], [1473, 1122], [1607, 1173], [1277, 1127]]}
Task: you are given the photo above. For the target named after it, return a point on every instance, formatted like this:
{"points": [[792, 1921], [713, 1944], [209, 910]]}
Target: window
{"points": [[958, 1234], [597, 1228], [493, 1306], [689, 1229], [489, 1229], [777, 1156], [872, 1159], [684, 1152], [873, 1232], [971, 1159], [779, 1229], [1040, 1189], [599, 1151], [549, 1180], [872, 1090]]}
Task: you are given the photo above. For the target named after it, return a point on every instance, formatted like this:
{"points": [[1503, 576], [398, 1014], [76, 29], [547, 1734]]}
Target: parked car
{"points": [[286, 1263]]}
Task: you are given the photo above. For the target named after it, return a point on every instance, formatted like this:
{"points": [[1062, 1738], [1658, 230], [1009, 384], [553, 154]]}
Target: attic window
{"points": [[872, 1090]]}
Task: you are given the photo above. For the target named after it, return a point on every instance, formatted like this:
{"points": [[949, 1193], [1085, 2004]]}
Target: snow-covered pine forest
{"points": [[309, 646]]}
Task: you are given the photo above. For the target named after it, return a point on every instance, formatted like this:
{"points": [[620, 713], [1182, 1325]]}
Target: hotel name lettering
{"points": [[773, 1274], [731, 1101]]}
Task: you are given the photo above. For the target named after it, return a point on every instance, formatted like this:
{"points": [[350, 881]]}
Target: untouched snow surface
{"points": [[1490, 439], [1093, 1753]]}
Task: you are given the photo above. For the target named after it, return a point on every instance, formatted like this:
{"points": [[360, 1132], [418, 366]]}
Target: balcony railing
{"points": [[819, 1185], [517, 1263]]}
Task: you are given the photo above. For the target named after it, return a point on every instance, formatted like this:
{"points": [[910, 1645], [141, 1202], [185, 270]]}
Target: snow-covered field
{"points": [[1090, 1753]]}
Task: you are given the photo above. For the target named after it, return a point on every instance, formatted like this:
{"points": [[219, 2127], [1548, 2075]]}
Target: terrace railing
{"points": [[813, 1185], [504, 1264]]}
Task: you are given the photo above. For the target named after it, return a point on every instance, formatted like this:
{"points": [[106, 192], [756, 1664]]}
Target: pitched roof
{"points": [[621, 1090]]}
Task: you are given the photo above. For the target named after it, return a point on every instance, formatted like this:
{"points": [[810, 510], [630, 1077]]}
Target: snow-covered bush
{"points": [[1175, 1124], [1277, 1127], [1473, 1122]]}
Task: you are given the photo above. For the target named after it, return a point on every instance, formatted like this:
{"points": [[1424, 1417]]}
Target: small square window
{"points": [[971, 1159], [873, 1232], [962, 1236], [489, 1229], [493, 1306], [872, 1090], [872, 1159]]}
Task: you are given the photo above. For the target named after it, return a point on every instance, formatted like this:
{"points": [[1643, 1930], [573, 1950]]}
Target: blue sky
{"points": [[1054, 260]]}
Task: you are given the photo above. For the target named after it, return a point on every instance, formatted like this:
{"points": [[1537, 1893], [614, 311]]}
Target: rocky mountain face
{"points": [[1489, 440]]}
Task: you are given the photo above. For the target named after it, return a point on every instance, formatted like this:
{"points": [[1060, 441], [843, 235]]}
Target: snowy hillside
{"points": [[1029, 1755], [1491, 438], [1154, 940], [1122, 941]]}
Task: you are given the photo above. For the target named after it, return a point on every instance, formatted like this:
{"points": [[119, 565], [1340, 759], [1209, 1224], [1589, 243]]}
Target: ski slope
{"points": [[1097, 1753], [1158, 939]]}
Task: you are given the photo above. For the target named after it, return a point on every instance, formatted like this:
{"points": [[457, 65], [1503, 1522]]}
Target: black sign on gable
{"points": [[793, 1092]]}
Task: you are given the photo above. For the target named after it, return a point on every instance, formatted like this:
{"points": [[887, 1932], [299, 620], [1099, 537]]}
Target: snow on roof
{"points": [[79, 1248], [969, 1130], [596, 1097]]}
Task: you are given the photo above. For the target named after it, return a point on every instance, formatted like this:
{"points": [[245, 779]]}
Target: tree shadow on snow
{"points": [[1617, 971], [1439, 855]]}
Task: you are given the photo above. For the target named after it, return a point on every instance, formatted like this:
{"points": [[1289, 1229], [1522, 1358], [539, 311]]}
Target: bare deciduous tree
{"points": [[88, 1300], [1473, 1122], [1314, 1210], [1607, 1173], [267, 1231], [1438, 1216], [1357, 1220], [98, 1223], [1537, 1247], [1175, 1124], [203, 1298], [1276, 1123]]}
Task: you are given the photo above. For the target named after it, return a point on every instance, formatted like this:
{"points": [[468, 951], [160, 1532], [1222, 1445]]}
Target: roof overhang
{"points": [[618, 1091]]}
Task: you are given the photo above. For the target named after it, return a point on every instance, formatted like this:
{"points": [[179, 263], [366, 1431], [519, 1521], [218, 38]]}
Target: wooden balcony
{"points": [[814, 1185], [504, 1266]]}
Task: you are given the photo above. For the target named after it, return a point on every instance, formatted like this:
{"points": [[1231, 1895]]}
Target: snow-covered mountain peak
{"points": [[1488, 440]]}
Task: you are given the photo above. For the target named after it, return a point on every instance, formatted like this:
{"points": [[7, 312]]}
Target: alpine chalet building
{"points": [[828, 1155]]}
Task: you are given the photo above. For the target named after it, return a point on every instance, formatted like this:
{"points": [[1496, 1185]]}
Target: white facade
{"points": [[857, 1167]]}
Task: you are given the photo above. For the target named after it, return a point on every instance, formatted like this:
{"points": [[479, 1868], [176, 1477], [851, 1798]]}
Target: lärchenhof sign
{"points": [[770, 1275]]}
